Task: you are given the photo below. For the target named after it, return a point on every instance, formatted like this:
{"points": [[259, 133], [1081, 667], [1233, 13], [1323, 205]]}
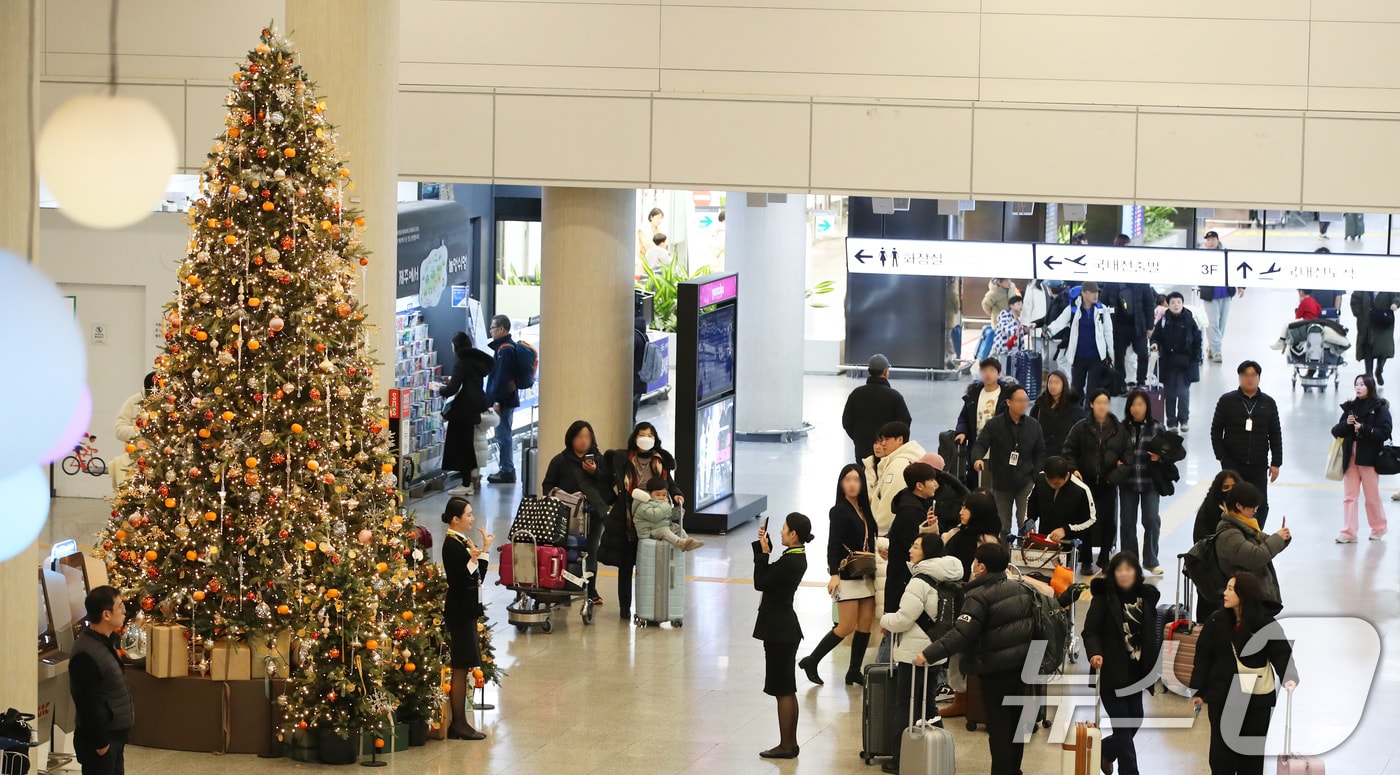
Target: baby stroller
{"points": [[1314, 348]]}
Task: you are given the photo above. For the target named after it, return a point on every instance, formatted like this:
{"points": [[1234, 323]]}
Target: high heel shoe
{"points": [[809, 666], [855, 678], [453, 734]]}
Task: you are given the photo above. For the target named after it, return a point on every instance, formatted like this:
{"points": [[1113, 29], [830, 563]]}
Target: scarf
{"points": [[1249, 522], [1132, 627]]}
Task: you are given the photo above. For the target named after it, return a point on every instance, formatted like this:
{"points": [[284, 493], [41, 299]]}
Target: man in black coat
{"points": [[871, 405], [1014, 446], [1246, 435], [101, 698], [1134, 313], [913, 512], [993, 633]]}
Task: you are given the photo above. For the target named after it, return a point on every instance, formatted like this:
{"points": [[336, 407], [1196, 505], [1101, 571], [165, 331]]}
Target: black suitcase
{"points": [[954, 455], [881, 712], [1356, 225]]}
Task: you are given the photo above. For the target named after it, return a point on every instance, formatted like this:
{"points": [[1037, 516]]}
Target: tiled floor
{"points": [[609, 698]]}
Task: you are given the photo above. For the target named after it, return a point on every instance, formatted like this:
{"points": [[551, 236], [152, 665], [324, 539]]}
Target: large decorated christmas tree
{"points": [[263, 495]]}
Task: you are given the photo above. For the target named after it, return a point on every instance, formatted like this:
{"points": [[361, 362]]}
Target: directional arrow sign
{"points": [[823, 225], [1244, 269], [706, 221], [937, 258], [1051, 263], [861, 255]]}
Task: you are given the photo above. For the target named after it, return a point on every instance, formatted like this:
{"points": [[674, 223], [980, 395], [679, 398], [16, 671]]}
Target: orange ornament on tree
{"points": [[210, 516], [191, 555], [198, 595], [296, 428], [170, 503]]}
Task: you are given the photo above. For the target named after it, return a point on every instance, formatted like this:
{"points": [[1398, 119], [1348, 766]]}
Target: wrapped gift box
{"points": [[167, 651], [271, 648], [230, 660]]}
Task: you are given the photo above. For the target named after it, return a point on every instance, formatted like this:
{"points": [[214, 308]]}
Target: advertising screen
{"points": [[714, 452], [717, 334]]}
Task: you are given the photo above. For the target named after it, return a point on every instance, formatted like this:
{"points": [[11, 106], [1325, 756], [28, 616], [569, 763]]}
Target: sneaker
{"points": [[1216, 358], [1155, 570], [1346, 539], [502, 477], [1378, 536], [1395, 496], [461, 492], [1182, 428]]}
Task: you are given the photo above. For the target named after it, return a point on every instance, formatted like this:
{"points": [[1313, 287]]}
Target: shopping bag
{"points": [[1334, 462]]}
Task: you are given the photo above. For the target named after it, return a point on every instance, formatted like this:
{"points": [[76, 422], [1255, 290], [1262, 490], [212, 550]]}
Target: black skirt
{"points": [[780, 668], [466, 647]]}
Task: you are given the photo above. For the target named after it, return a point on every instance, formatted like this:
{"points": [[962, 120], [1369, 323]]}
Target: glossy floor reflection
{"points": [[611, 698]]}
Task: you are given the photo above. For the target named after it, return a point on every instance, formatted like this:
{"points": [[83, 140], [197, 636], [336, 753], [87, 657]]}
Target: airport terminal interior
{"points": [[750, 203]]}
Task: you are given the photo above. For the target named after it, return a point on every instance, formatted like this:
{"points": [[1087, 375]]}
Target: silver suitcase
{"points": [[660, 583], [925, 749]]}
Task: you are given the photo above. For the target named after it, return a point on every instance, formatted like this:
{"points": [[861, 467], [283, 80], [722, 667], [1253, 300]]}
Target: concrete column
{"points": [[350, 49], [767, 246], [19, 229], [586, 313]]}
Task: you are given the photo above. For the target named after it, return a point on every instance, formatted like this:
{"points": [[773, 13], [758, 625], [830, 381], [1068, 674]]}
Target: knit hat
{"points": [[934, 459]]}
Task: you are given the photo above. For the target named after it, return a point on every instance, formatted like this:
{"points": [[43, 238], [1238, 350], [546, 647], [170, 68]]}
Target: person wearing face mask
{"points": [[464, 565], [1364, 428], [644, 465], [1122, 642], [1177, 337]]}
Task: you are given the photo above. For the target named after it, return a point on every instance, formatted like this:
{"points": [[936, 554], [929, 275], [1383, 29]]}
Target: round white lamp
{"points": [[107, 159], [43, 365], [25, 494]]}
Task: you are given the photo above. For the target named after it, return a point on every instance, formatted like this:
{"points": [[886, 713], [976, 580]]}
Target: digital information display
{"points": [[714, 452], [718, 340]]}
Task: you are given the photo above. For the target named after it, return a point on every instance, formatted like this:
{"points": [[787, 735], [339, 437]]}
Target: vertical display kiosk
{"points": [[707, 336]]}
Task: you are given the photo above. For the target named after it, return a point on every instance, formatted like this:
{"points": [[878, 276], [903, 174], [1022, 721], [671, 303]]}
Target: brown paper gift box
{"points": [[273, 647], [231, 660], [167, 651]]}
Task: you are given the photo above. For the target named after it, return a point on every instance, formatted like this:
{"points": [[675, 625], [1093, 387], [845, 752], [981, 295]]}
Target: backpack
{"points": [[950, 600], [1049, 623], [653, 362], [527, 365], [1201, 564]]}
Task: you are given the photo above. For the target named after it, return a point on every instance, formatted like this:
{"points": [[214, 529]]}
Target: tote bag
{"points": [[1334, 462]]}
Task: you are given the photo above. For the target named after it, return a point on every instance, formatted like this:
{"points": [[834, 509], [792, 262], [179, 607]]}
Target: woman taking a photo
{"points": [[1137, 495], [1057, 409], [1241, 545], [777, 625], [1240, 650], [579, 469], [646, 466], [464, 564], [850, 560], [468, 396], [978, 523], [1122, 641], [1097, 448], [1364, 428]]}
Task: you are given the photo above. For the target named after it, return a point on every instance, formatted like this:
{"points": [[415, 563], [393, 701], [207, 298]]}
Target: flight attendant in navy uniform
{"points": [[777, 625], [464, 565]]}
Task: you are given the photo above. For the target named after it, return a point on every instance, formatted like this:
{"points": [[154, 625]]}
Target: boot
{"points": [[859, 642], [809, 663], [957, 707]]}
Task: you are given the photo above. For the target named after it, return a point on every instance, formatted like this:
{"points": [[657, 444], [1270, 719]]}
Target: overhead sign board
{"points": [[1255, 269], [1104, 264], [939, 258]]}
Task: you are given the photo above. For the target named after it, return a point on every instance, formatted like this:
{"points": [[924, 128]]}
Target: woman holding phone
{"points": [[852, 545], [777, 625], [579, 469], [464, 564]]}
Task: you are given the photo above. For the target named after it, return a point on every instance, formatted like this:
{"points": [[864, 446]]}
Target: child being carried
{"points": [[653, 517]]}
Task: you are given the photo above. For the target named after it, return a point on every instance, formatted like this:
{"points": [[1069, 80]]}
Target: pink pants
{"points": [[1356, 479]]}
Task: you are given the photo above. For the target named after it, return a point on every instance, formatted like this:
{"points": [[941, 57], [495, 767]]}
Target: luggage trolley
{"points": [[543, 577], [1314, 363]]}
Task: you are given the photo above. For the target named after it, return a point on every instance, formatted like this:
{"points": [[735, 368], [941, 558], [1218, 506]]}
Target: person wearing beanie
{"points": [[871, 406], [777, 624]]}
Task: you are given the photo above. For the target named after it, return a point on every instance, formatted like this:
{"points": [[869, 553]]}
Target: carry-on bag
{"points": [[954, 455], [519, 564], [925, 749], [1356, 225], [1082, 750], [576, 503], [975, 708], [660, 583], [1027, 367], [551, 561], [881, 712], [1179, 635], [545, 519], [1290, 763], [985, 342]]}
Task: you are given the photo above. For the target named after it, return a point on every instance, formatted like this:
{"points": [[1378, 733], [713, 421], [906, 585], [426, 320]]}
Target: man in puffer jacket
{"points": [[885, 478], [993, 633]]}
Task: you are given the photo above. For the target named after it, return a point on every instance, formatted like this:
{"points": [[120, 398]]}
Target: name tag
{"points": [[1014, 458], [1249, 423]]}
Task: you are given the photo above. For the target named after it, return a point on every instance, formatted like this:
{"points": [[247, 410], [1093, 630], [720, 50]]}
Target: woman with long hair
{"points": [[1138, 496], [852, 537], [464, 565], [466, 390], [978, 523], [579, 469], [643, 465], [777, 625], [1122, 642], [1238, 654], [1208, 515], [1057, 409], [1097, 450], [1364, 429]]}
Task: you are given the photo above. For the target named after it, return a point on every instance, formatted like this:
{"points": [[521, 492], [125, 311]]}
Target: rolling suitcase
{"points": [[1290, 763], [1356, 225], [1082, 750], [985, 342], [954, 455], [660, 583], [1179, 635], [925, 749], [880, 712], [1026, 367], [976, 708]]}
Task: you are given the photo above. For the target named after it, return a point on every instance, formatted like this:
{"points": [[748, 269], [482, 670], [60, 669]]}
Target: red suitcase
{"points": [[550, 563], [553, 561]]}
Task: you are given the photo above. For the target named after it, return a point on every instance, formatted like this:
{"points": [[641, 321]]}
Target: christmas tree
{"points": [[263, 497]]}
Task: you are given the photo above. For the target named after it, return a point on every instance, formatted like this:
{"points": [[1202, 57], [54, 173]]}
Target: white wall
{"points": [[1272, 102]]}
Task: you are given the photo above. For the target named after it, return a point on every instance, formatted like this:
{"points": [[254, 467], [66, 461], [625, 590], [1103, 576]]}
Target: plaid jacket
{"points": [[1140, 436]]}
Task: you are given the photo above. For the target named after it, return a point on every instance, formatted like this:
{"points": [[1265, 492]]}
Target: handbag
{"points": [[546, 520], [16, 735], [1383, 317], [1253, 680], [578, 523], [1037, 551], [1388, 461], [1334, 471], [857, 565]]}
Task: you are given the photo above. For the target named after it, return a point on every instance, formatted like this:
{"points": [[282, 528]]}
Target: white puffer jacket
{"points": [[919, 598], [127, 433], [885, 479]]}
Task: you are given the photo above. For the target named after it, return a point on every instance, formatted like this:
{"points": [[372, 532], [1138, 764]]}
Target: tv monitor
{"points": [[714, 452], [717, 340]]}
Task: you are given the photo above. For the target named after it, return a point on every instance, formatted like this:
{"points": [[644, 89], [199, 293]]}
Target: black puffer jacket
{"points": [[1057, 422], [869, 407], [1096, 450], [947, 502], [1233, 445], [1002, 436], [1103, 633], [993, 632], [1375, 431]]}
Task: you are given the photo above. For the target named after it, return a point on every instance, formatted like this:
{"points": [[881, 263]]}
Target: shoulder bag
{"points": [[858, 565], [1253, 680]]}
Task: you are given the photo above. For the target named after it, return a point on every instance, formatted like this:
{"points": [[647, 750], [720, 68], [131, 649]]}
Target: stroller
{"points": [[1315, 349]]}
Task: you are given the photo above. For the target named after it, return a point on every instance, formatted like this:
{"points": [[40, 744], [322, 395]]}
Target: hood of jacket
{"points": [[943, 568], [1356, 404]]}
